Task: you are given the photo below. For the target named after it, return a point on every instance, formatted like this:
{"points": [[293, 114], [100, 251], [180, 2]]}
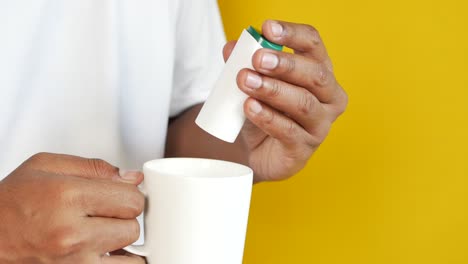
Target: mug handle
{"points": [[140, 250]]}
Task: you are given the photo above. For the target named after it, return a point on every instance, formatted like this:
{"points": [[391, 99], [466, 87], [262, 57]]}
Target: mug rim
{"points": [[242, 170]]}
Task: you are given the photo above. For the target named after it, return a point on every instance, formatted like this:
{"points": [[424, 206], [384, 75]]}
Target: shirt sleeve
{"points": [[198, 54]]}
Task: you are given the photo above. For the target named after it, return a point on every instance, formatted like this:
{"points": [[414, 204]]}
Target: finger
{"points": [[82, 167], [131, 177], [303, 39], [278, 126], [298, 70], [73, 165], [228, 49], [122, 260], [298, 103], [109, 199], [110, 234]]}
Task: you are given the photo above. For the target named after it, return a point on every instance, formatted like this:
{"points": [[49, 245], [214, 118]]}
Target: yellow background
{"points": [[390, 184]]}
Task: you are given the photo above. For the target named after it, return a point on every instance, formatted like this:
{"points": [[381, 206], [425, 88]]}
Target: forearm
{"points": [[186, 139]]}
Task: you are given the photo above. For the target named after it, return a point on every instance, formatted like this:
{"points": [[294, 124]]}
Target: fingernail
{"points": [[255, 107], [129, 175], [253, 81], [276, 29], [269, 61]]}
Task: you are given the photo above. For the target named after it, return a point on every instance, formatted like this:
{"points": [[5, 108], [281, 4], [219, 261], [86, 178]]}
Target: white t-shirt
{"points": [[101, 78]]}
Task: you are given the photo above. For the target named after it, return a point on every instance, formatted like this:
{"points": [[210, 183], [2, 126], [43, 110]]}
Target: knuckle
{"points": [[132, 232], [289, 64], [313, 34], [312, 142], [291, 129], [269, 118], [275, 89], [136, 202], [322, 76], [67, 193], [344, 103], [341, 103], [100, 167], [319, 134], [39, 158], [307, 104], [64, 241]]}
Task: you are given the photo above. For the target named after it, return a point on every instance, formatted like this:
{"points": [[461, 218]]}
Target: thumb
{"points": [[130, 176], [81, 167], [228, 49]]}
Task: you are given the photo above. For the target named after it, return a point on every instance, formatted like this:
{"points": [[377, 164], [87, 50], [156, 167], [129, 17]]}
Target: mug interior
{"points": [[197, 168]]}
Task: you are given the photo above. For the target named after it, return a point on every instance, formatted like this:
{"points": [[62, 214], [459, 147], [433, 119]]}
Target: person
{"points": [[112, 84]]}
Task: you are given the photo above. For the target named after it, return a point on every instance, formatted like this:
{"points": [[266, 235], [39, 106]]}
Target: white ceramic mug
{"points": [[196, 211]]}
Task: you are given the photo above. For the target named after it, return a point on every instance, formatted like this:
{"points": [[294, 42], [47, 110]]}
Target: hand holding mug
{"points": [[66, 209]]}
